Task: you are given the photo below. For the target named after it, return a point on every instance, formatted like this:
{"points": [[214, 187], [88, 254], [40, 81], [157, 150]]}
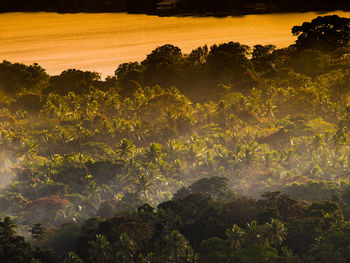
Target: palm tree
{"points": [[128, 248], [37, 232], [275, 232], [252, 234], [153, 153], [235, 236], [125, 149], [145, 180], [7, 228], [268, 160], [94, 196], [72, 257], [269, 108], [177, 248], [80, 133], [248, 156], [28, 150], [100, 249]]}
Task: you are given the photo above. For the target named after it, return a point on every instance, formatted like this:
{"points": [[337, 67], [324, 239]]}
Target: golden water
{"points": [[100, 42]]}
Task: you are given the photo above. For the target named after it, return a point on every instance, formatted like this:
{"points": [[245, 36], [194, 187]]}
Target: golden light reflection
{"points": [[100, 42]]}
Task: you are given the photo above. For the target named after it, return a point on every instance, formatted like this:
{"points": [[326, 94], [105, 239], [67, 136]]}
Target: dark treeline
{"points": [[228, 154], [193, 228], [224, 7]]}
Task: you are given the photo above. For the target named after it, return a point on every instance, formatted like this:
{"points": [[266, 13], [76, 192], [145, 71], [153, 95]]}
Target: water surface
{"points": [[100, 42]]}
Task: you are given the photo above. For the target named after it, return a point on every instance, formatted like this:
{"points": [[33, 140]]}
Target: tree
{"points": [[153, 153], [128, 78], [15, 78], [44, 209], [256, 254], [235, 236], [72, 257], [198, 56], [253, 235], [228, 62], [125, 149], [217, 187], [100, 249], [262, 57], [161, 65], [324, 33], [37, 232], [127, 248], [164, 54], [13, 248], [63, 241], [177, 249], [275, 232], [28, 150], [72, 80], [214, 250], [7, 228], [29, 102], [311, 63]]}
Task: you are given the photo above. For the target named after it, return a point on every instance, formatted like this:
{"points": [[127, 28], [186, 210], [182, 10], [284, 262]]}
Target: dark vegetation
{"points": [[205, 7], [226, 154]]}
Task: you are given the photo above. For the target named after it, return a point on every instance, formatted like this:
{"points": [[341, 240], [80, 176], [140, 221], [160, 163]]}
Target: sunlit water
{"points": [[100, 42]]}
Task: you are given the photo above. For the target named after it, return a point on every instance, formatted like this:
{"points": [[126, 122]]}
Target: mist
{"points": [[181, 151]]}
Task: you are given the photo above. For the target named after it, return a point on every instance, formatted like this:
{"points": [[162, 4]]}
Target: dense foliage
{"points": [[230, 154]]}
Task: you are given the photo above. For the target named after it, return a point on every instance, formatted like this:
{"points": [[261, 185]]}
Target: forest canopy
{"points": [[230, 153]]}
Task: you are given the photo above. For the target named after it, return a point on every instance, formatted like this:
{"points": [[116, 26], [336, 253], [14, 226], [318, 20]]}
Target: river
{"points": [[100, 42]]}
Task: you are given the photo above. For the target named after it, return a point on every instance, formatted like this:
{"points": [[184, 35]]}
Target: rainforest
{"points": [[229, 153]]}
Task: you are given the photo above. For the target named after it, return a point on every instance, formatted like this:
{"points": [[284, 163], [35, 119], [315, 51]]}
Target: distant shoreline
{"points": [[234, 13], [237, 13]]}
